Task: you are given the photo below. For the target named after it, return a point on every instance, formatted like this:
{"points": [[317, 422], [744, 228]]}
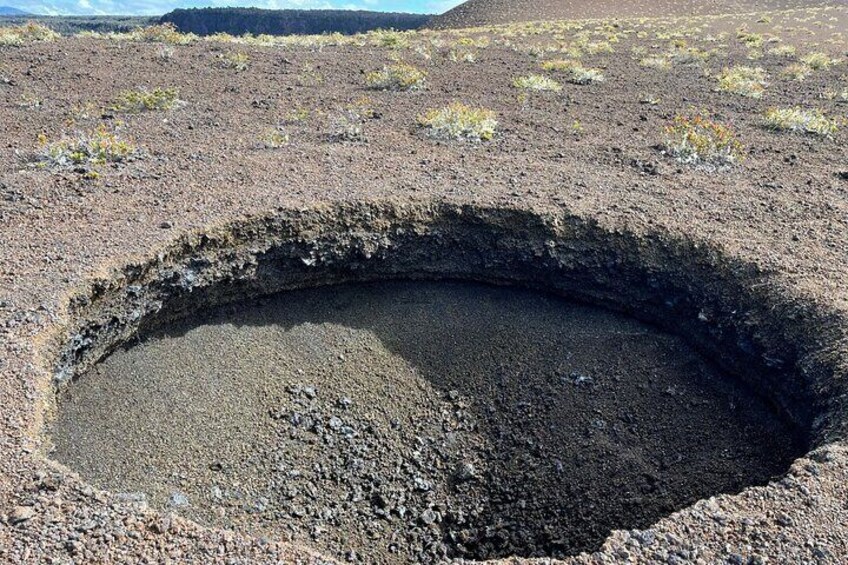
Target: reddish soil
{"points": [[782, 213], [493, 12]]}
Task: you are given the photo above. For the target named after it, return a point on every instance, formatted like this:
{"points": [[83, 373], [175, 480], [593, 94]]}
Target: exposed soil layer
{"points": [[417, 421]]}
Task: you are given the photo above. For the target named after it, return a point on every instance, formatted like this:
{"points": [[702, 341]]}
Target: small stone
{"points": [[177, 500], [422, 484], [466, 472], [428, 517], [21, 514], [166, 225]]}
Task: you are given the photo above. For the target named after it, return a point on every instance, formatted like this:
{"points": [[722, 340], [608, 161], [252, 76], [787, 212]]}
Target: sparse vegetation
{"points": [[796, 71], [744, 81], [96, 147], [137, 101], [26, 33], [236, 61], [702, 142], [399, 77], [459, 122], [162, 33], [275, 138], [574, 72], [799, 120], [537, 82], [817, 61], [659, 62], [309, 76], [782, 51]]}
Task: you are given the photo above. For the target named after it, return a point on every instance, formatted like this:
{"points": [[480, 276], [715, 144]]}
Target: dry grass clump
{"points": [[161, 33], [537, 82], [560, 65], [399, 77], [26, 33], [782, 51], [460, 123], [745, 81], [658, 62], [574, 72], [235, 61], [817, 61], [96, 147], [275, 138], [796, 71], [702, 142], [137, 101], [799, 120]]}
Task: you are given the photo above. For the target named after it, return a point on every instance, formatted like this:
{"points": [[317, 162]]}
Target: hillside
{"points": [[9, 11], [238, 21], [490, 12]]}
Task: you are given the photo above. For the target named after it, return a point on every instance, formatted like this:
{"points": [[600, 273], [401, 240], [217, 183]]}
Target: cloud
{"points": [[159, 7]]}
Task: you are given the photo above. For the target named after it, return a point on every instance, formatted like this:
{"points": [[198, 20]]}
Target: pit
{"points": [[416, 384]]}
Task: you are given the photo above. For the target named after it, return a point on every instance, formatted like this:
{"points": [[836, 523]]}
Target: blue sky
{"points": [[158, 7]]}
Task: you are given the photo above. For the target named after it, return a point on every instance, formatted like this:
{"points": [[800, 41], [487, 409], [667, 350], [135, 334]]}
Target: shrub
{"points": [[537, 82], [275, 138], [462, 55], [459, 122], [817, 61], [796, 71], [799, 120], [597, 47], [28, 32], [574, 72], [96, 147], [560, 65], [136, 101], [702, 142], [235, 61], [745, 81], [399, 77], [783, 51], [659, 62], [162, 33]]}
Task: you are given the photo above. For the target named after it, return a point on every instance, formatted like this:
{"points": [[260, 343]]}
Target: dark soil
{"points": [[417, 421]]}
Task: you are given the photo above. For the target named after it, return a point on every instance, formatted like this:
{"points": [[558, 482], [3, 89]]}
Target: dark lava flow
{"points": [[412, 422]]}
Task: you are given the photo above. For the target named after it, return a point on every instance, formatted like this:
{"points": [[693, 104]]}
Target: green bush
{"points": [[459, 122]]}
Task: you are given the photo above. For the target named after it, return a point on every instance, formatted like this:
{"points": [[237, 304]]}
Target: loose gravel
{"points": [[413, 422]]}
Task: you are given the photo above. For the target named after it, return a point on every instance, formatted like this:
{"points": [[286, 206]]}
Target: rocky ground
{"points": [[492, 12], [415, 422], [780, 215]]}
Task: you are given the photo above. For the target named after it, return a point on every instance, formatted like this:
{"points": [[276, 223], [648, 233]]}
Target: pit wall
{"points": [[787, 350]]}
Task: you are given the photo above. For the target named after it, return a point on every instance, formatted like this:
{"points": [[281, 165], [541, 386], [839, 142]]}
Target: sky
{"points": [[159, 7]]}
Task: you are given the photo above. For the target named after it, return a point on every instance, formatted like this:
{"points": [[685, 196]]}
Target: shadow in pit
{"points": [[595, 421]]}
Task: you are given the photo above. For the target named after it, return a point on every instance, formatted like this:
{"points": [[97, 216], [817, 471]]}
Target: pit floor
{"points": [[410, 421]]}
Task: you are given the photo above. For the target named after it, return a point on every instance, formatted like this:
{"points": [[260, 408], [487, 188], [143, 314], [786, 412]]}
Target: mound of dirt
{"points": [[475, 13], [413, 422]]}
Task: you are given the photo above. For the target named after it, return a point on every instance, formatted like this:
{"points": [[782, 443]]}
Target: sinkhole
{"points": [[426, 384]]}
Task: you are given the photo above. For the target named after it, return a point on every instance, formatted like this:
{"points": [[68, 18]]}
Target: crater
{"points": [[414, 384]]}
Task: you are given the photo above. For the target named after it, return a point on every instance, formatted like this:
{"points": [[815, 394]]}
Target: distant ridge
{"points": [[238, 21], [9, 11], [491, 12]]}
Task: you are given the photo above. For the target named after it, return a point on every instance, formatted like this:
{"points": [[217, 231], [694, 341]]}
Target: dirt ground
{"points": [[780, 217], [488, 12], [418, 421]]}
